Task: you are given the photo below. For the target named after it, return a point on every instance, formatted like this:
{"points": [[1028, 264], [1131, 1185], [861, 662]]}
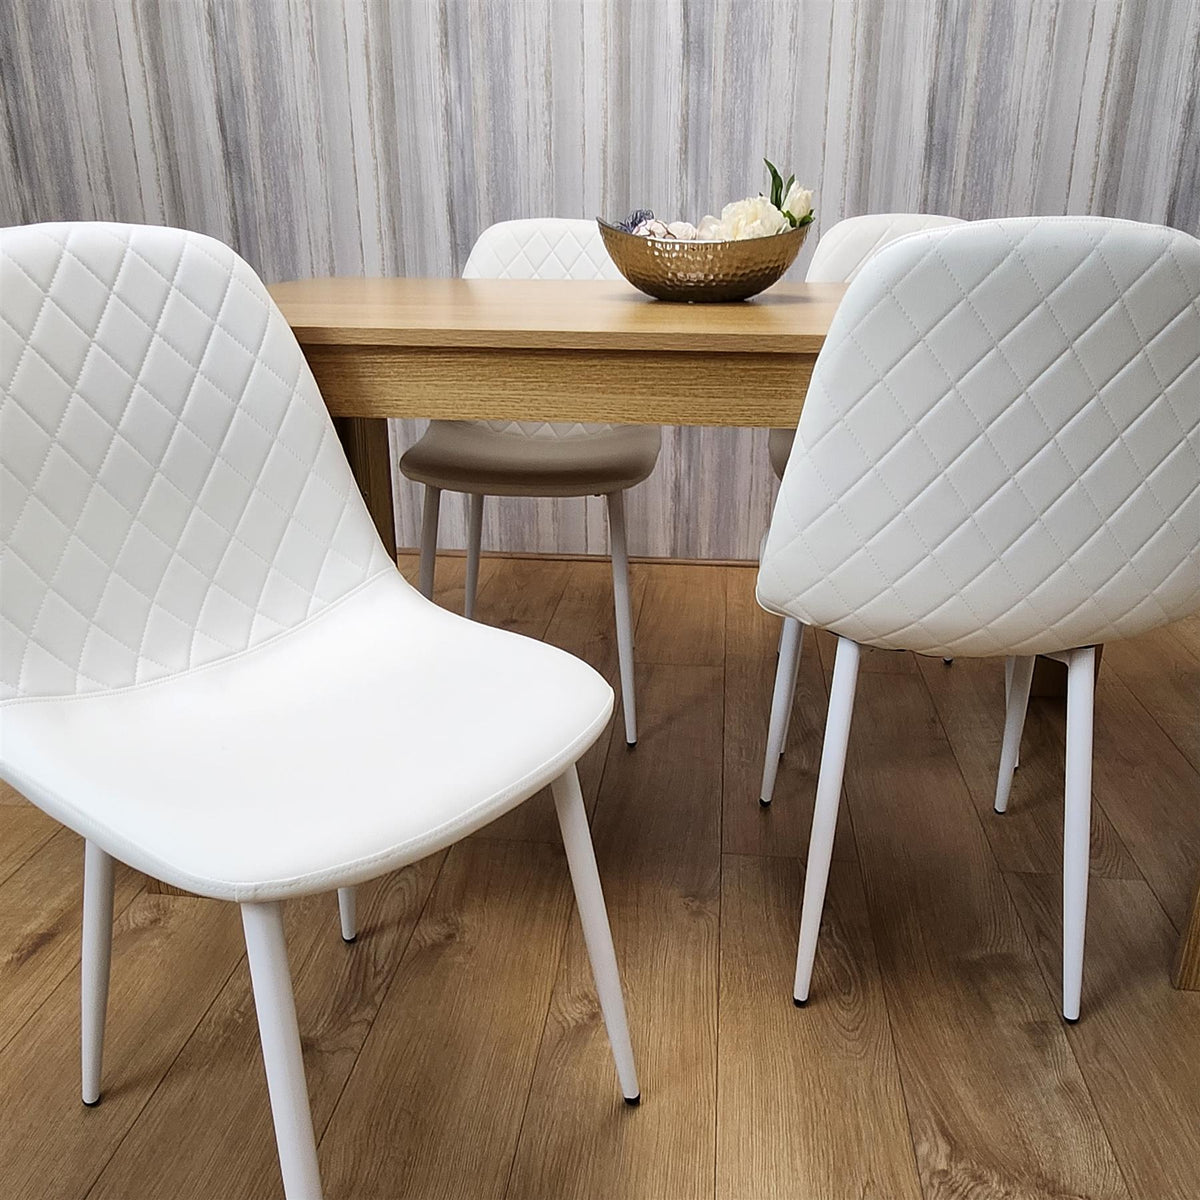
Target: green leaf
{"points": [[776, 184]]}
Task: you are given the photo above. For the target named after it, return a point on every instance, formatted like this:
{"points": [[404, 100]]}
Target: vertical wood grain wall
{"points": [[366, 136]]}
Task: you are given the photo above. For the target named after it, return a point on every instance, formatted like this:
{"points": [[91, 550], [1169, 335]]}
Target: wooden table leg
{"points": [[1187, 972], [365, 441]]}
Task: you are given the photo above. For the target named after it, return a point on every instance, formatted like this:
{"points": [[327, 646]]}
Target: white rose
{"points": [[653, 228], [710, 229], [685, 231], [798, 202], [753, 217]]}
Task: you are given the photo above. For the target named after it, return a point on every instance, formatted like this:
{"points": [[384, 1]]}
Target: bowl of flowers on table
{"points": [[730, 257]]}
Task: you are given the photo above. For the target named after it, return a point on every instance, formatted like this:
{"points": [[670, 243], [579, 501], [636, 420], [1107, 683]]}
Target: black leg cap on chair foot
{"points": [[634, 1101], [92, 1103], [351, 940], [1071, 1020], [947, 662], [631, 745], [799, 1003], [763, 803]]}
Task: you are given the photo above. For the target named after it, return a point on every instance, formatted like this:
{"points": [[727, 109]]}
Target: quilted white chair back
{"points": [[172, 491], [846, 246], [541, 248], [1000, 448]]}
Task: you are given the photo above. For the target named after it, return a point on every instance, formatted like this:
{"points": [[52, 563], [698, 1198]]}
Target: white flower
{"points": [[797, 204], [710, 229], [684, 231], [753, 217]]}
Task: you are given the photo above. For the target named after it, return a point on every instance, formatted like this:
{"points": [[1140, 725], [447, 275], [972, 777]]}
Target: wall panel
{"points": [[379, 136]]}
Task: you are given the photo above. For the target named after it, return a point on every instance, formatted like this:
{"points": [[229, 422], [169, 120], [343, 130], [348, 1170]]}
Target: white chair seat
{"points": [[481, 457], [394, 728]]}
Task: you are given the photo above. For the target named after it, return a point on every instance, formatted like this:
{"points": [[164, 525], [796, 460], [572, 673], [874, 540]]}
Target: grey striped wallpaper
{"points": [[366, 136]]}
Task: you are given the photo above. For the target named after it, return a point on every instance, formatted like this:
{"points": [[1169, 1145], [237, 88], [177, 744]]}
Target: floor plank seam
{"points": [[183, 1044], [383, 997]]}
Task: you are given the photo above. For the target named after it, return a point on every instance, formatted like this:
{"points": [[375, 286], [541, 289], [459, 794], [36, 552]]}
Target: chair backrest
{"points": [[1000, 447], [173, 491], [845, 247], [541, 248]]}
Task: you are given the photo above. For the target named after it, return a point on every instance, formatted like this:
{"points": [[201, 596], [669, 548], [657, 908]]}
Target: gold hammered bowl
{"points": [[703, 272]]}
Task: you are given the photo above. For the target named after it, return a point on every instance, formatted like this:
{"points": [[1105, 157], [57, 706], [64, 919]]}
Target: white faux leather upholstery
{"points": [[1000, 448], [535, 458], [210, 667], [840, 255], [844, 248]]}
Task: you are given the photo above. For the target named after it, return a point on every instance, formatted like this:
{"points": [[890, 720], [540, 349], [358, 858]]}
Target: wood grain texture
{"points": [[369, 455], [359, 137], [550, 314], [1138, 1037], [475, 1058], [1187, 958], [41, 910], [52, 1144], [338, 991], [621, 386], [435, 1101], [657, 835], [969, 698], [782, 1070], [996, 1102]]}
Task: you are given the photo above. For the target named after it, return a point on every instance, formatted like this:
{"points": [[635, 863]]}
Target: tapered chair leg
{"points": [[581, 859], [1077, 822], [829, 792], [791, 696], [429, 532], [95, 964], [1018, 675], [624, 611], [790, 642], [474, 541], [280, 1037], [347, 913]]}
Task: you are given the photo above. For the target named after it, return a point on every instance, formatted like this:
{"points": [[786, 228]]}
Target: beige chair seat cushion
{"points": [[528, 459], [779, 447]]}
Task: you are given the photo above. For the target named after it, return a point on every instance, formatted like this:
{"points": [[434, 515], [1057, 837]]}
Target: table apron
{"points": [[621, 386]]}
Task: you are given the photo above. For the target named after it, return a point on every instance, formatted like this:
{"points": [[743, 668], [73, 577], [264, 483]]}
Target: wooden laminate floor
{"points": [[457, 1051]]}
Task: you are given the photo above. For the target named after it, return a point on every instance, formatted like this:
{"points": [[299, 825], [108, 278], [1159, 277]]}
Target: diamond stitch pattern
{"points": [[1000, 448], [171, 487], [541, 248]]}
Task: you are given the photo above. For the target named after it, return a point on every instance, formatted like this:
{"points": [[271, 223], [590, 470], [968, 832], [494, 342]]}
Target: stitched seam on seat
{"points": [[190, 672]]}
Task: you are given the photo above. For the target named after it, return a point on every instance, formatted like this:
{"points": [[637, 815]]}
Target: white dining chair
{"points": [[210, 668], [999, 455], [841, 253], [537, 458]]}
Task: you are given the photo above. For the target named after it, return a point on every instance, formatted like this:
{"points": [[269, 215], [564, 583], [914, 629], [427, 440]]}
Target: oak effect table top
{"points": [[789, 318]]}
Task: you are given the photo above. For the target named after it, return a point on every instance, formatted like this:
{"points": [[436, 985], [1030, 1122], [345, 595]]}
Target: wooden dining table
{"points": [[564, 350]]}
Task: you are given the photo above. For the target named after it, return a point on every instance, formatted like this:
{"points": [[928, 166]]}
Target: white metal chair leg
{"points": [[95, 964], [624, 612], [829, 792], [791, 696], [581, 859], [474, 541], [781, 703], [347, 913], [280, 1037], [429, 532], [1018, 675], [1077, 821]]}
